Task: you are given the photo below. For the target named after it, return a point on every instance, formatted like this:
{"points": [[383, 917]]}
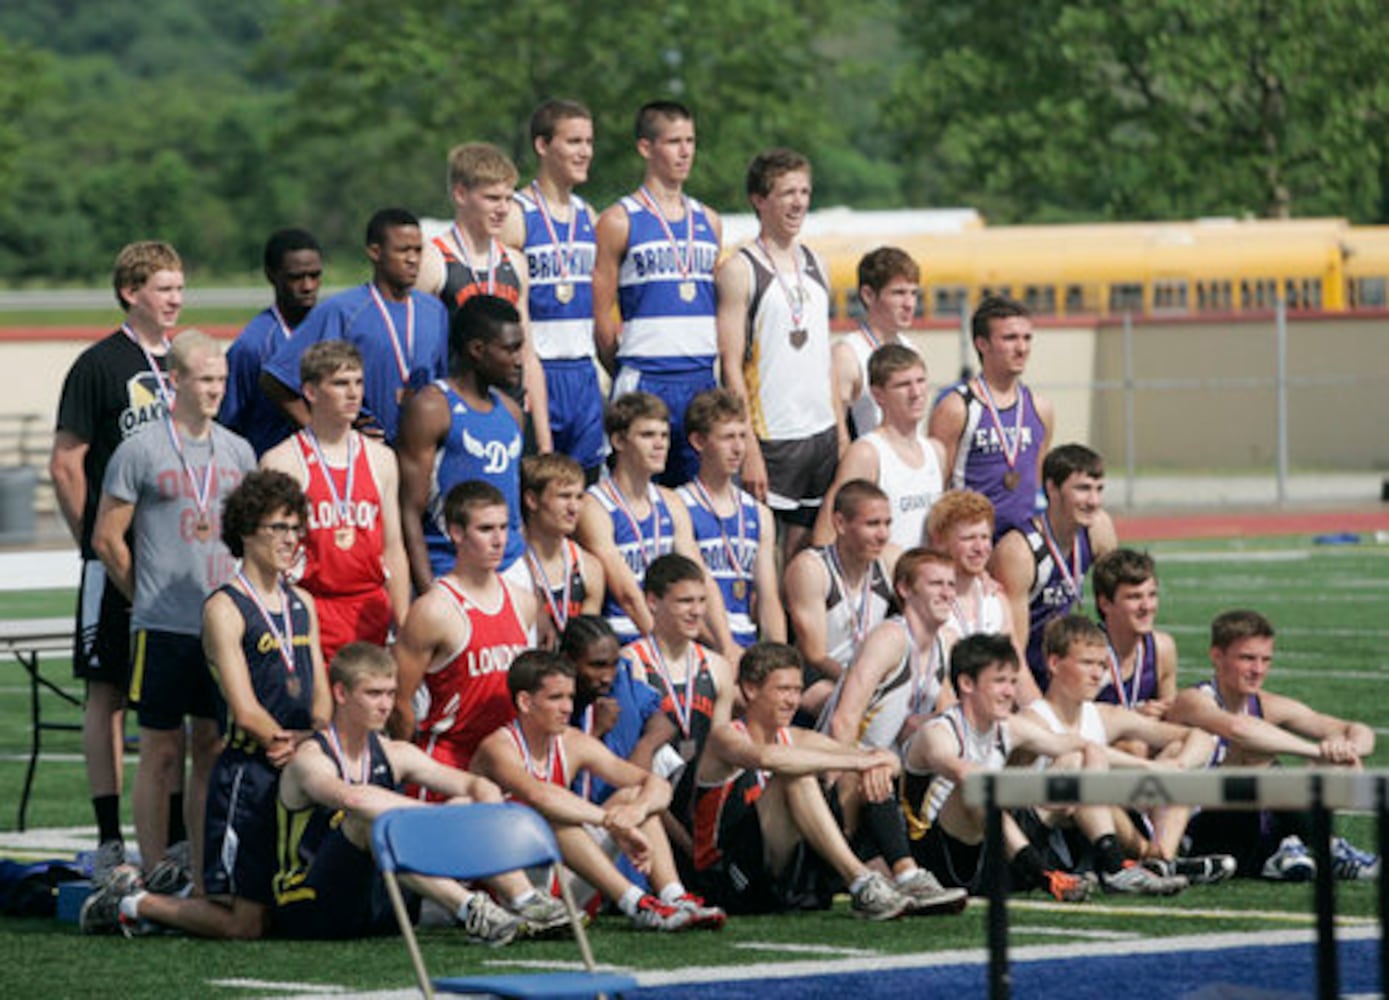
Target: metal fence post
{"points": [[1281, 393], [1130, 431]]}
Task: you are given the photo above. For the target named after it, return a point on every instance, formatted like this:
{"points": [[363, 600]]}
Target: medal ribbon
{"points": [[682, 264], [404, 357], [867, 331], [280, 321], [586, 782], [1069, 573], [616, 496], [858, 617], [1009, 455], [201, 497], [527, 759], [566, 253], [341, 503], [341, 754], [559, 613], [969, 626], [795, 302], [468, 258], [1126, 698], [732, 551], [165, 393], [284, 639], [682, 711]]}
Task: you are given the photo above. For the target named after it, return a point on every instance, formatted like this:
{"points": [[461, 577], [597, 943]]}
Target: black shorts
{"points": [[953, 862], [799, 472], [348, 897], [239, 856], [1061, 848], [170, 679], [101, 652]]}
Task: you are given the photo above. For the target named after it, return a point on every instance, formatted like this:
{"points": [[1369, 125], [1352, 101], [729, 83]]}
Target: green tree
{"points": [[1146, 108]]}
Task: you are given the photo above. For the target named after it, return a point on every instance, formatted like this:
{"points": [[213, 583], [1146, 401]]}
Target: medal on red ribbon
{"points": [[615, 494], [404, 351], [1012, 477], [467, 258], [163, 390], [202, 492], [1071, 572], [795, 295], [564, 256], [283, 633], [344, 534], [558, 610], [740, 582], [684, 264]]}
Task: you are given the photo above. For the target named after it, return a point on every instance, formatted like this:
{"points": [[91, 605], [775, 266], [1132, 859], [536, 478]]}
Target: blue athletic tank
{"points": [[663, 331], [1051, 595], [1252, 707], [720, 548], [288, 698], [485, 446], [980, 463], [657, 539], [561, 279], [245, 409], [1143, 686]]}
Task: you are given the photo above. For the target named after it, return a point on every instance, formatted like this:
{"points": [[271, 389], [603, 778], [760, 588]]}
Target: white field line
{"points": [[58, 757], [547, 965], [805, 949], [1277, 916], [1084, 935], [972, 956], [311, 989]]}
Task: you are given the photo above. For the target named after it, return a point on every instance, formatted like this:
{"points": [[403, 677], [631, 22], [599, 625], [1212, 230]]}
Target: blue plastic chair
{"points": [[472, 842]]}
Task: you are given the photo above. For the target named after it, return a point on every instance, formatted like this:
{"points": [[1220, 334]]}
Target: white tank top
{"points": [[910, 489], [1091, 725]]}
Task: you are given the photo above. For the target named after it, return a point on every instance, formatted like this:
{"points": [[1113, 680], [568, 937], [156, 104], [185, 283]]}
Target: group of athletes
{"points": [[394, 548]]}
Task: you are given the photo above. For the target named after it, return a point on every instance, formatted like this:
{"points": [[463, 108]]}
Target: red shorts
{"points": [[347, 619]]}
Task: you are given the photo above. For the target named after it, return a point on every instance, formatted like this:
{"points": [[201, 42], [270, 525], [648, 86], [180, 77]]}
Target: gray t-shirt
{"points": [[175, 569]]}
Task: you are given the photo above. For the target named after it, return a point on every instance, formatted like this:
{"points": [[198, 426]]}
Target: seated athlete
{"points": [[980, 732], [897, 680], [536, 759], [610, 704], [961, 523], [567, 580], [338, 783], [1077, 661], [261, 641], [766, 837], [836, 594], [1142, 672], [1253, 728]]}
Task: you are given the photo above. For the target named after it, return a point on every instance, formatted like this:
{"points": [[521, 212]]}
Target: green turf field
{"points": [[1329, 604]]}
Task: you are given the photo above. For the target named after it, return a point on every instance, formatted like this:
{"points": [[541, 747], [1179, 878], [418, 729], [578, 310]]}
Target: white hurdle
{"points": [[1315, 790]]}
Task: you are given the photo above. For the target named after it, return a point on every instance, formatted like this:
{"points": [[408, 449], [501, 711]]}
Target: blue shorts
{"points": [[675, 390], [169, 679], [349, 897], [576, 410], [239, 856]]}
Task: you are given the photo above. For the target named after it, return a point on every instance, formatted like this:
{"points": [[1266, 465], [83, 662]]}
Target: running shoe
{"points": [[1067, 888], [1292, 862], [1350, 863], [173, 874], [1138, 880], [925, 894], [487, 923], [703, 916], [101, 912], [653, 915], [1204, 869], [876, 899], [110, 855], [541, 915]]}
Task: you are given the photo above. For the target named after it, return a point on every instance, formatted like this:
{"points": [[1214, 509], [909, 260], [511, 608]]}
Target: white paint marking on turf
{"points": [[312, 989], [44, 758], [1279, 916], [1258, 555], [1074, 933], [805, 949], [555, 965]]}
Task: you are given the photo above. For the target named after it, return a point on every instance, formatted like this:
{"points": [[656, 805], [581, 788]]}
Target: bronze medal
{"points": [[564, 292], [740, 589], [687, 291], [344, 537], [686, 750], [203, 529], [1011, 478], [798, 338], [294, 686]]}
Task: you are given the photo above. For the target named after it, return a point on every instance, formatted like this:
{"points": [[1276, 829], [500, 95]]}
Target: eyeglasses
{"points": [[283, 529]]}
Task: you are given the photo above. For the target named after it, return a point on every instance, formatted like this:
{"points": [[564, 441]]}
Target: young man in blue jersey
{"points": [[774, 334], [656, 254], [554, 228], [294, 268], [401, 332], [1254, 728], [460, 428], [736, 534]]}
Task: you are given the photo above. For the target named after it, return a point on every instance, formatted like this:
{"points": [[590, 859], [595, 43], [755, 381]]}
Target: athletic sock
{"points": [[858, 883], [462, 912], [108, 817], [905, 874], [1026, 868], [883, 823], [177, 831], [130, 905], [628, 903], [1109, 856], [519, 901], [673, 892]]}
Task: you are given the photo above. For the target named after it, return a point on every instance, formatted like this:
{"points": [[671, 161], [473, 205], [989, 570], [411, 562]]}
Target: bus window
{"points": [[1006, 291], [1213, 296], [1040, 299], [1310, 293], [946, 300], [1368, 293], [1075, 300], [1259, 294], [1126, 297], [1170, 295], [853, 305]]}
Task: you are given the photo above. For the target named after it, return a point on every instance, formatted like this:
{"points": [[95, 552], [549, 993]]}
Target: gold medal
{"points": [[564, 292], [203, 529], [1011, 478], [344, 537], [687, 291], [798, 338], [740, 589]]}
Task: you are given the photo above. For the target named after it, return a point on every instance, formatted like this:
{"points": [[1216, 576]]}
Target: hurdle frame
{"points": [[1318, 790]]}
